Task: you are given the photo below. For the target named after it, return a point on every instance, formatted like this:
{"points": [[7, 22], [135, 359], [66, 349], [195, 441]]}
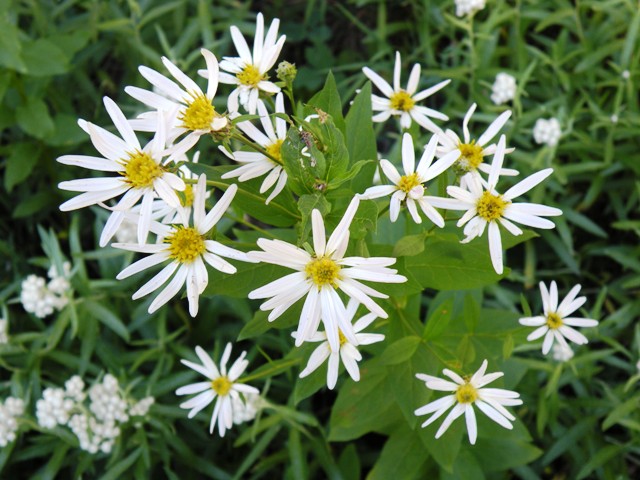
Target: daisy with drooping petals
{"points": [[221, 384], [486, 207], [471, 152], [143, 172], [255, 164], [191, 110], [249, 70], [402, 103], [319, 276], [187, 249], [466, 393], [556, 323], [409, 188], [347, 352]]}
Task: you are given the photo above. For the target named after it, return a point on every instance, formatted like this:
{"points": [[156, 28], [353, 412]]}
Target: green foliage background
{"points": [[579, 419]]}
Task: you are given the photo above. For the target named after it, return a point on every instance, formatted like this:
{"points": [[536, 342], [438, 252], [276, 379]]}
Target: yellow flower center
{"points": [[402, 101], [250, 75], [470, 156], [322, 271], [407, 182], [491, 207], [554, 321], [140, 170], [274, 150], [185, 244], [186, 199], [341, 337], [199, 113], [466, 393], [221, 385]]}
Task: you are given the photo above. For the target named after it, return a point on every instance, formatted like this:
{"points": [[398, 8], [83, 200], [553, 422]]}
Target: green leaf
{"points": [[402, 457], [438, 320], [44, 58], [306, 204], [10, 47], [248, 276], [302, 170], [361, 139], [328, 100], [107, 317], [260, 323], [349, 463], [20, 162], [410, 245], [33, 117], [601, 457], [400, 350], [66, 132], [620, 412], [122, 466]]}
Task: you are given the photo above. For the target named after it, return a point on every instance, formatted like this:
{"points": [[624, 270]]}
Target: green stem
{"points": [[252, 226], [281, 367]]}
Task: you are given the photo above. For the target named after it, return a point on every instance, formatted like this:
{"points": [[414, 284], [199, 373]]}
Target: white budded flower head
{"points": [[467, 7], [503, 88], [245, 410], [556, 324], [74, 388], [4, 331], [400, 102], [409, 188], [249, 70], [562, 352], [187, 249], [319, 276], [220, 384], [467, 392], [10, 410], [547, 131], [347, 352], [53, 408], [141, 407]]}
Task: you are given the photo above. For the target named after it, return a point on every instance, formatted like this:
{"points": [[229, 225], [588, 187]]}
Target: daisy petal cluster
{"points": [[189, 109], [465, 393], [409, 189], [347, 352], [249, 70], [187, 250], [556, 324], [547, 131], [256, 164], [221, 385], [96, 425], [319, 276], [10, 410], [503, 89], [401, 102], [485, 208]]}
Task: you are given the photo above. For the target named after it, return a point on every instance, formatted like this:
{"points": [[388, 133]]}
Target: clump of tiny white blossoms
{"points": [[42, 298], [97, 426], [503, 89], [10, 410], [561, 352], [4, 331], [467, 7], [245, 411], [547, 131]]}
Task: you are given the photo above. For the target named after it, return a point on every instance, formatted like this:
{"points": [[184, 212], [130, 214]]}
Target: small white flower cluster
{"points": [[503, 89], [9, 411], [97, 427], [4, 331], [246, 411], [547, 131], [41, 298], [467, 7]]}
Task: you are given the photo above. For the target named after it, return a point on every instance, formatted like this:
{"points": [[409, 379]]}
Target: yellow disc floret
{"points": [[470, 156], [250, 76], [554, 321], [322, 271], [466, 393], [199, 113], [275, 150], [341, 337], [185, 244], [408, 182], [491, 207], [221, 385], [402, 101], [187, 200], [140, 170]]}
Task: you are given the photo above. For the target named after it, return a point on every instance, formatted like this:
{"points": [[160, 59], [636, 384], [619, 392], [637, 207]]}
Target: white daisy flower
{"points": [[486, 207], [319, 276], [221, 383], [191, 110], [143, 172], [471, 151], [402, 102], [347, 352], [556, 323], [255, 164], [187, 249], [410, 188], [466, 393], [249, 70]]}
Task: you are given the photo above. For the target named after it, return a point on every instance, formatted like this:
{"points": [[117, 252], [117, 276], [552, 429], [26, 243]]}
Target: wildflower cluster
{"points": [[42, 298], [10, 410], [95, 415]]}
